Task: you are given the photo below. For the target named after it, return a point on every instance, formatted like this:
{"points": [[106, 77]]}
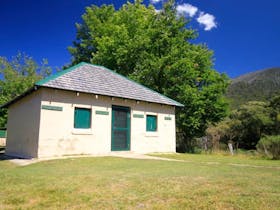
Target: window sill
{"points": [[77, 131], [151, 134]]}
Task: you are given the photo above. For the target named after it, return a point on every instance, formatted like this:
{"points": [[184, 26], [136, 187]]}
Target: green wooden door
{"points": [[120, 128]]}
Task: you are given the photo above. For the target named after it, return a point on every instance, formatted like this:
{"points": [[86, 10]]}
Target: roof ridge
{"points": [[58, 74], [114, 72], [63, 72]]}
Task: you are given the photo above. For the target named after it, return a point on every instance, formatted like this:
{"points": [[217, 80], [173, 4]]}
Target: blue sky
{"points": [[244, 34]]}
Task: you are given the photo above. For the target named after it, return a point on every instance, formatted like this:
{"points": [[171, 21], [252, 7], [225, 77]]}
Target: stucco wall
{"points": [[23, 126], [58, 136], [2, 141]]}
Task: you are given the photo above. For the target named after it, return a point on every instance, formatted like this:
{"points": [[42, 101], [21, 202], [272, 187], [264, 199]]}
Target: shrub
{"points": [[270, 146]]}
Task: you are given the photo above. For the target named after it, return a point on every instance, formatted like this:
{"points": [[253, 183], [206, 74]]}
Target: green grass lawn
{"points": [[223, 158], [203, 182]]}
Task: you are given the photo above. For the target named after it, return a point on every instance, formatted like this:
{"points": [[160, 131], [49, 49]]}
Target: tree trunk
{"points": [[230, 147], [236, 146], [265, 150]]}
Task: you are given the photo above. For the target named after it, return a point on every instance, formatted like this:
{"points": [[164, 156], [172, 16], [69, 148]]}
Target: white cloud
{"points": [[207, 20], [158, 10], [155, 1], [186, 10]]}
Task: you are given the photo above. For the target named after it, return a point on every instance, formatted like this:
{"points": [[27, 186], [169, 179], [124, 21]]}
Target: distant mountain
{"points": [[256, 86]]}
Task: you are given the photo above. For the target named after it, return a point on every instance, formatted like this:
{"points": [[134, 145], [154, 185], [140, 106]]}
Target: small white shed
{"points": [[88, 109]]}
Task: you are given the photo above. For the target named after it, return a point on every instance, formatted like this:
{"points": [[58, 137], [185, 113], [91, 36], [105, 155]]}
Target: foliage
{"points": [[255, 109], [275, 114], [244, 127], [17, 76], [270, 146], [226, 131], [155, 49], [255, 122]]}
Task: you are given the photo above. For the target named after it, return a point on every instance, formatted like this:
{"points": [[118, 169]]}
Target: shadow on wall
{"points": [[5, 157], [2, 153]]}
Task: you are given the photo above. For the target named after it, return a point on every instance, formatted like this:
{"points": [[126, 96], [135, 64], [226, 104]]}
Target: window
{"points": [[82, 118], [151, 123]]}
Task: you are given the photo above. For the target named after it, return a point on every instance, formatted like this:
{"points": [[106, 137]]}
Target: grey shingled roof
{"points": [[99, 80]]}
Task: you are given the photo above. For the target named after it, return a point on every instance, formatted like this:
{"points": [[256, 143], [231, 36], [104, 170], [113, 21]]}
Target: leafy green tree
{"points": [[245, 126], [155, 49], [275, 114], [256, 122], [270, 146], [215, 134], [17, 76], [227, 131]]}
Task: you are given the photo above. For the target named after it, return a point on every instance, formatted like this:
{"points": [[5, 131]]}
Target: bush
{"points": [[270, 146]]}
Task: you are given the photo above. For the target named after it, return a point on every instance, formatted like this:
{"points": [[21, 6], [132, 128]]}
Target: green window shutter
{"points": [[3, 133], [82, 118], [151, 123]]}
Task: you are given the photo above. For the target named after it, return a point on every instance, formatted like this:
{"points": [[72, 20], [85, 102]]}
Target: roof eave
{"points": [[17, 98], [180, 105], [35, 87], [177, 104]]}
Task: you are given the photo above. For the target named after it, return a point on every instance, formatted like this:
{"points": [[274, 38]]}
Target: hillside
{"points": [[259, 85]]}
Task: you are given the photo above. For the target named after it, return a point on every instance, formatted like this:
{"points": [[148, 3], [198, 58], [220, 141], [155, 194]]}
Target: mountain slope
{"points": [[256, 86]]}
